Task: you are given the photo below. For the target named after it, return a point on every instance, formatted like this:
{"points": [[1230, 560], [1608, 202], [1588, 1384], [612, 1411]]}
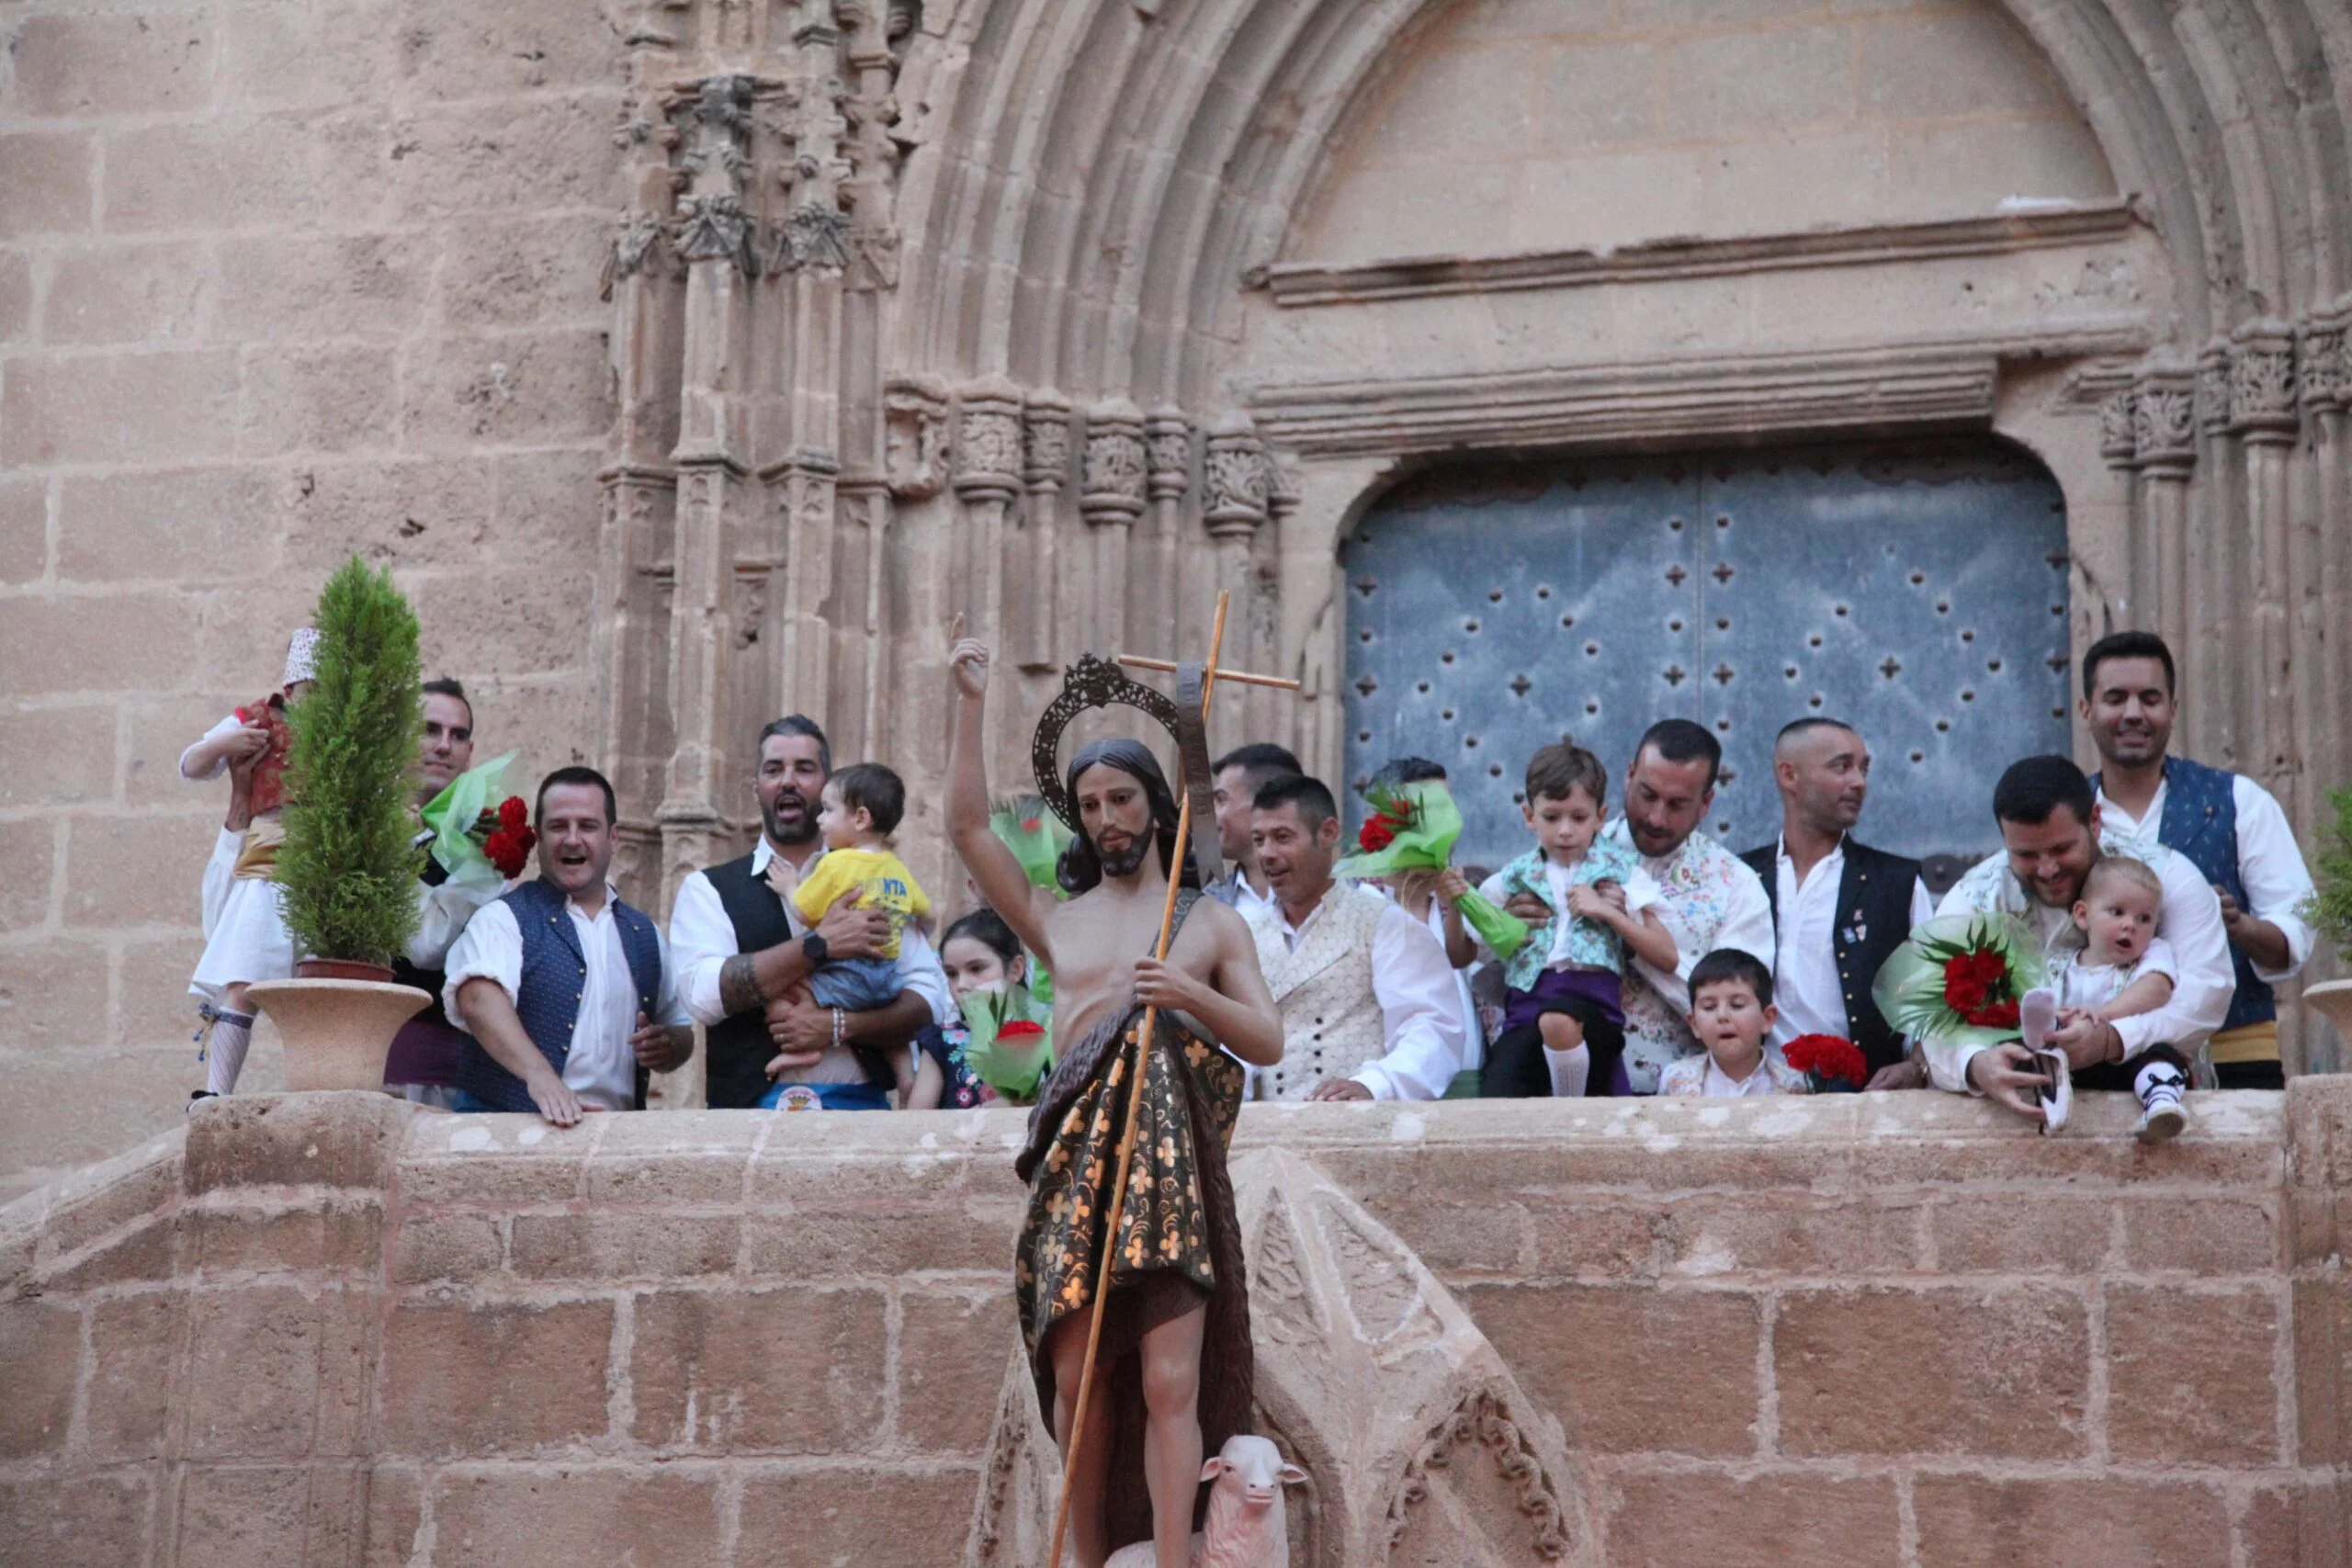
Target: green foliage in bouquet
{"points": [[2330, 906], [347, 870], [1012, 1045], [1413, 828], [1960, 978]]}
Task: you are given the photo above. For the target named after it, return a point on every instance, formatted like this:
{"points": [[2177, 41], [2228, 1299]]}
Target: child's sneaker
{"points": [[2162, 1115]]}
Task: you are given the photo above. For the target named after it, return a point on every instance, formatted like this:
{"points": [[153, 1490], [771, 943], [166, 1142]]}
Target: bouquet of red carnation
{"points": [[479, 839], [1011, 1047], [1831, 1063], [1960, 978], [1413, 828]]}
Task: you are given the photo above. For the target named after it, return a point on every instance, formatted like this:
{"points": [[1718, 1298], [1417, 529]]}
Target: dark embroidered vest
{"points": [[554, 969], [1873, 919], [427, 1048], [737, 1049], [2200, 824]]}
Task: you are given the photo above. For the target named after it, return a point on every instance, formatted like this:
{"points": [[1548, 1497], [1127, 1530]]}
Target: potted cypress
{"points": [[2330, 911], [347, 873]]}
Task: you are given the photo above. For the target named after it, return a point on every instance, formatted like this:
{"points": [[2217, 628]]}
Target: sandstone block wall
{"points": [[278, 283], [1882, 1330]]}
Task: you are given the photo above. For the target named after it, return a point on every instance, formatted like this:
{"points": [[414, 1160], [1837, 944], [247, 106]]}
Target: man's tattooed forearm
{"points": [[739, 986]]}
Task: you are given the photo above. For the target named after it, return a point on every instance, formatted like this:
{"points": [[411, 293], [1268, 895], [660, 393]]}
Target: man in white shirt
{"points": [[1708, 898], [2053, 832], [1840, 907], [744, 953], [1235, 778], [564, 990], [1366, 994], [2225, 824]]}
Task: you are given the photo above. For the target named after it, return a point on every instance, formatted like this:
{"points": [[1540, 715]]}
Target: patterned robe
{"points": [[1179, 1243]]}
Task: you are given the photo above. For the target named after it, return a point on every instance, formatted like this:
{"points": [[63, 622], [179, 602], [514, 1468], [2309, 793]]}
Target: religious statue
{"points": [[1164, 1307]]}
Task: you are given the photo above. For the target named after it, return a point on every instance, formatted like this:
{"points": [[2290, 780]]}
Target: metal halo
{"points": [[1095, 683]]}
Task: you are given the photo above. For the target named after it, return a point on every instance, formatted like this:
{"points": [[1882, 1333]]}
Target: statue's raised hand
{"points": [[968, 661]]}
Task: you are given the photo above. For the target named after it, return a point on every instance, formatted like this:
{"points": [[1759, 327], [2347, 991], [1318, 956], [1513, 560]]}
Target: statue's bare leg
{"points": [[1172, 1443], [1066, 1343]]}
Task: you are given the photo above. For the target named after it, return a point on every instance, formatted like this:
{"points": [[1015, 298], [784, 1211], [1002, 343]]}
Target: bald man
{"points": [[1839, 907]]}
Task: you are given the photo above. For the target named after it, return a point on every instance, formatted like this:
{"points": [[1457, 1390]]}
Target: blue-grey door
{"points": [[1917, 593]]}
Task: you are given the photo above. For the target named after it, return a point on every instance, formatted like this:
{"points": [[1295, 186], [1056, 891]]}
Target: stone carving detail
{"points": [[1484, 1418], [715, 228], [1234, 471], [1044, 455], [987, 441], [1112, 491], [914, 413], [811, 235], [2164, 419], [714, 128], [2116, 442], [2213, 387], [1167, 445], [1288, 1317], [1382, 1298], [637, 248], [2323, 360], [2262, 379]]}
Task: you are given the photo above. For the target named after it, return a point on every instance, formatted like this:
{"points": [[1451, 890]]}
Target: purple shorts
{"points": [[1602, 990]]}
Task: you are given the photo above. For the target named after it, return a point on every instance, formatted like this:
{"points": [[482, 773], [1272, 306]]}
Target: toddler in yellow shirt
{"points": [[860, 808]]}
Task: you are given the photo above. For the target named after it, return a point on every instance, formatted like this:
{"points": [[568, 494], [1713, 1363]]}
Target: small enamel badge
{"points": [[799, 1097]]}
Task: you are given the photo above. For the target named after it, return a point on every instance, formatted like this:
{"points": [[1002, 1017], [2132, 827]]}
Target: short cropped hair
{"points": [[1807, 725], [2125, 645], [577, 775], [2036, 786], [1732, 965], [448, 686], [1680, 740], [1262, 760], [1557, 769], [2123, 868], [1311, 795], [798, 724], [874, 789]]}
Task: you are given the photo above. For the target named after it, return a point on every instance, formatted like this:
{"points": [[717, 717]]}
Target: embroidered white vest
{"points": [[1331, 1020]]}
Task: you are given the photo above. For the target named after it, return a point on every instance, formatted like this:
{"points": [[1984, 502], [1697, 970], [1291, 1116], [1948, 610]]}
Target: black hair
{"points": [[1732, 964], [1262, 760], [2125, 645], [448, 686], [1311, 795], [2034, 788], [986, 927], [576, 775], [1680, 740], [798, 724], [874, 789], [1080, 869], [1400, 770], [1807, 725], [1557, 769]]}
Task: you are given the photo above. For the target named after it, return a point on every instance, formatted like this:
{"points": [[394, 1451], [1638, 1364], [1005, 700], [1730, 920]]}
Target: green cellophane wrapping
{"points": [[1910, 989], [452, 814], [1427, 822], [1013, 1069]]}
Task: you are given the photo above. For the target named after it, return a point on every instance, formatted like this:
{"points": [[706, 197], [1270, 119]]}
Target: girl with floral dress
{"points": [[979, 952]]}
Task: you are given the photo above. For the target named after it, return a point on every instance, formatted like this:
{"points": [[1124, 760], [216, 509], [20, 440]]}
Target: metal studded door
{"points": [[1917, 593]]}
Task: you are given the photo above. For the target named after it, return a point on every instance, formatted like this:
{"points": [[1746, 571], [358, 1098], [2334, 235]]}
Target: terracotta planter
{"points": [[337, 1033], [342, 969], [2334, 1001]]}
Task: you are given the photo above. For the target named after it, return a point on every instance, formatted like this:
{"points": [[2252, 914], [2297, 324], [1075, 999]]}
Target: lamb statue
{"points": [[1245, 1528]]}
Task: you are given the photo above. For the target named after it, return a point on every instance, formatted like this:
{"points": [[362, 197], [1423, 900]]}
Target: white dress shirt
{"points": [[2189, 918], [1805, 985], [1421, 1011], [2271, 863], [601, 1068], [704, 940], [1746, 921]]}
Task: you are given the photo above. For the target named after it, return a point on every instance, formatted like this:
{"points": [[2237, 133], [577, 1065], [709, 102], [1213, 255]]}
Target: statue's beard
{"points": [[1130, 859]]}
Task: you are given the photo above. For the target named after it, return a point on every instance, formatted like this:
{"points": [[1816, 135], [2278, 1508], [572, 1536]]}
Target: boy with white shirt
{"points": [[1732, 1015], [564, 991]]}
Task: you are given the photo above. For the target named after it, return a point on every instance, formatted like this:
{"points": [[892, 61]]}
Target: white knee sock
{"points": [[225, 1053], [1569, 1069]]}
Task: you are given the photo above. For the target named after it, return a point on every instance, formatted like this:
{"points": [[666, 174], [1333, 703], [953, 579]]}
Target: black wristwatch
{"points": [[813, 946]]}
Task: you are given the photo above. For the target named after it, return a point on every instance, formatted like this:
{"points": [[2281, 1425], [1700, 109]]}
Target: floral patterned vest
{"points": [[1331, 1020]]}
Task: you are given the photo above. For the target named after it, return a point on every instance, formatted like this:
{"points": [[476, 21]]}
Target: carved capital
{"points": [[1234, 471], [812, 235], [1168, 449], [2262, 381], [1113, 490], [636, 248], [2213, 387], [914, 437], [2164, 419], [1044, 446], [2115, 437], [2323, 358], [987, 441]]}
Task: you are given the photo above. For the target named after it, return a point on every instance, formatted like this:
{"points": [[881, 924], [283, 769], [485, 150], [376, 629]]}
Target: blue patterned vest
{"points": [[554, 969], [2200, 824]]}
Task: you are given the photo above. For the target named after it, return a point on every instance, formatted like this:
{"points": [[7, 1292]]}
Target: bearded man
{"points": [[1175, 1362]]}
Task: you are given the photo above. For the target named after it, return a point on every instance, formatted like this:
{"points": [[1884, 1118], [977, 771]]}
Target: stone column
{"points": [[1168, 451], [2263, 415], [988, 476], [2164, 432], [2219, 729], [1233, 508], [2324, 601], [1111, 499], [1051, 604], [2117, 445]]}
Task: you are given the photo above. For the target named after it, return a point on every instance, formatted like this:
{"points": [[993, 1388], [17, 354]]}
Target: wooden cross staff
{"points": [[1210, 676]]}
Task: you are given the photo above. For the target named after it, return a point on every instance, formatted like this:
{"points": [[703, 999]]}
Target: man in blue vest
{"points": [[563, 989], [2225, 824]]}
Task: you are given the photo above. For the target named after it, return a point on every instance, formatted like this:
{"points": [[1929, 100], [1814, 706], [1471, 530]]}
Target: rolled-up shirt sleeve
{"points": [[702, 939], [491, 947], [220, 764], [2278, 882], [2190, 919], [1421, 1011]]}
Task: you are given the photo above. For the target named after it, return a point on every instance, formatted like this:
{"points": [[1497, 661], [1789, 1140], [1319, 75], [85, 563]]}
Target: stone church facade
{"points": [[694, 361]]}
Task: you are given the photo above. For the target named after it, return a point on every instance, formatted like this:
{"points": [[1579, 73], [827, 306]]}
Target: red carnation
{"points": [[514, 815], [510, 849], [1020, 1028], [1974, 986], [1827, 1057], [1376, 834]]}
